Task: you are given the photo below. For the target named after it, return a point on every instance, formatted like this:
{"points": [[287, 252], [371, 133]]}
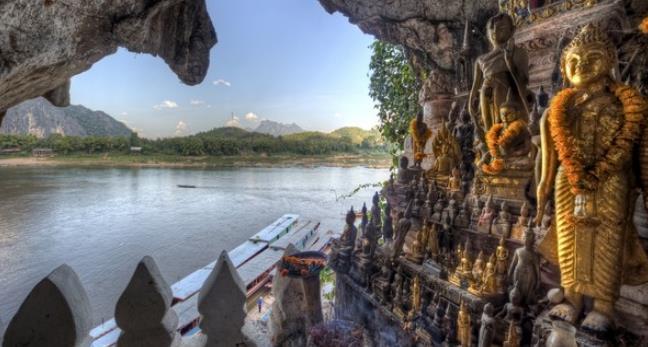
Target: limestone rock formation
{"points": [[45, 43], [431, 29]]}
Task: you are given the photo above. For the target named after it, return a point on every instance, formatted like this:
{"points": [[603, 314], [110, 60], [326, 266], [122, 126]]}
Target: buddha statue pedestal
{"points": [[507, 185]]}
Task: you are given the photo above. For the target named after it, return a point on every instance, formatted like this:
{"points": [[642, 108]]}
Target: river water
{"points": [[102, 221]]}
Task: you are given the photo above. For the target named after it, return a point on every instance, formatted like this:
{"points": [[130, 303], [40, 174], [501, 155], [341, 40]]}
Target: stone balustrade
{"points": [[56, 313]]}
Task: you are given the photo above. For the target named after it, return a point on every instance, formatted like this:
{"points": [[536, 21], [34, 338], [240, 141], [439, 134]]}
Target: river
{"points": [[102, 221]]}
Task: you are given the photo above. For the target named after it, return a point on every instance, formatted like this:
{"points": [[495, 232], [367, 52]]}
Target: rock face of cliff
{"points": [[431, 30], [38, 117], [44, 43]]}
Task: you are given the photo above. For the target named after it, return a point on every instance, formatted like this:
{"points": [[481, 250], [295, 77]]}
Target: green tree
{"points": [[394, 87]]}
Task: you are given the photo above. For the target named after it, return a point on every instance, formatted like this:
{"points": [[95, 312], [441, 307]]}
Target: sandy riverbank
{"points": [[372, 161]]}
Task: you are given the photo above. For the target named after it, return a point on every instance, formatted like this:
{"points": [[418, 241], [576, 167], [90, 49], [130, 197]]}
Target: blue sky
{"points": [[283, 60]]}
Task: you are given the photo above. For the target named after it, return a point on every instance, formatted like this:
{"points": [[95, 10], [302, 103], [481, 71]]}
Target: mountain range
{"points": [[276, 129], [41, 119]]}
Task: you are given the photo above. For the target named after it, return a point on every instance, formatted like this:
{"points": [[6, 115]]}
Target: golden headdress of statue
{"points": [[590, 35]]}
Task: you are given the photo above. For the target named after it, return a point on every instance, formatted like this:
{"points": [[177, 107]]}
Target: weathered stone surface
{"points": [[221, 303], [143, 311], [434, 27], [44, 43], [56, 313]]}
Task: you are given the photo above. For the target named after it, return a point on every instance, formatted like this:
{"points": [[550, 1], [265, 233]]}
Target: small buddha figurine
{"points": [[477, 208], [361, 268], [388, 227], [404, 175], [438, 211], [513, 335], [391, 182], [454, 182], [478, 271], [415, 299], [444, 163], [486, 217], [464, 269], [524, 270], [426, 210], [487, 327], [447, 235], [417, 252], [502, 262], [463, 325], [513, 310], [502, 224], [403, 227], [593, 135], [508, 139], [433, 193], [452, 211], [463, 217], [346, 243], [517, 231], [364, 219], [489, 279], [375, 211], [433, 242], [420, 134]]}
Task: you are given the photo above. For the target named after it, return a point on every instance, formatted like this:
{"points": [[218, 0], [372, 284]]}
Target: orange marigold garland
{"points": [[580, 179], [419, 143], [498, 136], [644, 26]]}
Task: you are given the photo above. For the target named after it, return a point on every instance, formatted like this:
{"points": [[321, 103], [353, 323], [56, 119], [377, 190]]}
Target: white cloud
{"points": [[251, 117], [124, 114], [181, 128], [196, 102], [337, 115], [222, 82], [166, 104], [233, 122]]}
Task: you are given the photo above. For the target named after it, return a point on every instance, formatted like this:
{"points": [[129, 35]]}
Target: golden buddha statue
{"points": [[513, 335], [420, 134], [489, 279], [478, 271], [509, 140], [463, 325], [417, 252], [504, 67], [589, 135], [501, 262], [446, 150], [416, 298]]}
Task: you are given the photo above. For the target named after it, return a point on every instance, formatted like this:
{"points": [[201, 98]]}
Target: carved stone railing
{"points": [[56, 313]]}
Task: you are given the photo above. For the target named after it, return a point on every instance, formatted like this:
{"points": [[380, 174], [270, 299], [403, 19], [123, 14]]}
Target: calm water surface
{"points": [[102, 221]]}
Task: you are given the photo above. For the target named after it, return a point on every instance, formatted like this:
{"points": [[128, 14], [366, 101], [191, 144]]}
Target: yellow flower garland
{"points": [[580, 178], [643, 27], [498, 136], [419, 144]]}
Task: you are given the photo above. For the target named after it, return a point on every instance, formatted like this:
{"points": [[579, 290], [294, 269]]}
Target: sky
{"points": [[284, 60]]}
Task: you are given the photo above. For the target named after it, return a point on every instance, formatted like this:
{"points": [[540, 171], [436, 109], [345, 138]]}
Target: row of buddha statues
{"points": [[587, 153], [588, 159]]}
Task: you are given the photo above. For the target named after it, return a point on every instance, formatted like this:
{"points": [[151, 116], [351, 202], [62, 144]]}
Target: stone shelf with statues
{"points": [[510, 219]]}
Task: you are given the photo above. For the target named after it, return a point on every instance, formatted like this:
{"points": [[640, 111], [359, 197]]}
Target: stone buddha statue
{"points": [[381, 285], [388, 226], [420, 134], [487, 327], [509, 141], [463, 217], [502, 224], [524, 270], [592, 135], [433, 243], [418, 249], [346, 243], [375, 211], [486, 216], [403, 227], [504, 67]]}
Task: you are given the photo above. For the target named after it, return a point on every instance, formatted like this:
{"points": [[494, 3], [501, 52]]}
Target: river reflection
{"points": [[103, 221]]}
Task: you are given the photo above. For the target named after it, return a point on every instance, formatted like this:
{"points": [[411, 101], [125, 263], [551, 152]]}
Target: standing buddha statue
{"points": [[504, 67], [590, 136], [463, 325]]}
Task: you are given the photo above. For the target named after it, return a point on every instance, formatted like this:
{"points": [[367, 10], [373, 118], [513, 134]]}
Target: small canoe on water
{"points": [[186, 186]]}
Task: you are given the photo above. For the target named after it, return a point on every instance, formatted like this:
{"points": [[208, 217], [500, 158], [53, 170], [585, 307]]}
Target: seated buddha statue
{"points": [[486, 216], [502, 224], [508, 142]]}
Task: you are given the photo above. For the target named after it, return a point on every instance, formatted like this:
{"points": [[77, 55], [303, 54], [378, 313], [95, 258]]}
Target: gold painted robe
{"points": [[595, 259]]}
